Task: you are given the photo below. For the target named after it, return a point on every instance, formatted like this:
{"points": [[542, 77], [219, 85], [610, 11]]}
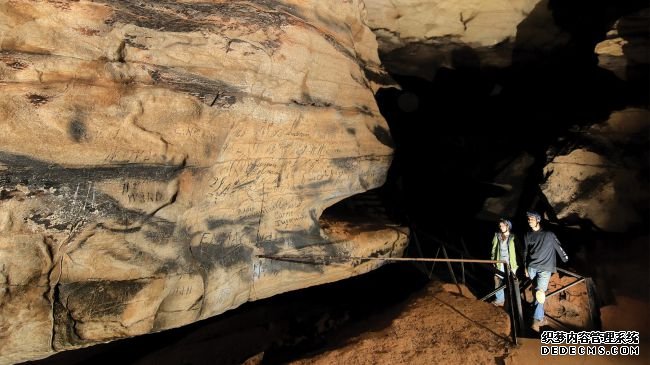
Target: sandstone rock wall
{"points": [[626, 50], [418, 36], [150, 150], [600, 181]]}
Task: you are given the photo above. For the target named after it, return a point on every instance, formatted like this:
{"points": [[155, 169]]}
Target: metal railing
{"points": [[510, 282], [516, 295], [330, 259]]}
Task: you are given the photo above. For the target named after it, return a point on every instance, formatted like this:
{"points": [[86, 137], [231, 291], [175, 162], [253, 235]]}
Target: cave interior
{"points": [[452, 134]]}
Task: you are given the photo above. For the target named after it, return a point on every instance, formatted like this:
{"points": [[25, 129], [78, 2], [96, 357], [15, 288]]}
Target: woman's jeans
{"points": [[498, 281]]}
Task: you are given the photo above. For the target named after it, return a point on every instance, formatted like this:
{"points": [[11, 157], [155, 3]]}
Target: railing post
{"points": [[513, 321], [462, 270], [515, 300], [434, 263], [594, 308], [451, 270], [422, 267]]}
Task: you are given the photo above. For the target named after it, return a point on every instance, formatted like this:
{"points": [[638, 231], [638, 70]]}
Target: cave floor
{"points": [[438, 326], [433, 326]]}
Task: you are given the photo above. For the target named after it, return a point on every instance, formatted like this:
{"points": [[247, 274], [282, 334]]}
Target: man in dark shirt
{"points": [[540, 247]]}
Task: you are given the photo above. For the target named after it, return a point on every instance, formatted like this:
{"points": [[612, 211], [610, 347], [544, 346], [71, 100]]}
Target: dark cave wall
{"points": [[470, 119]]}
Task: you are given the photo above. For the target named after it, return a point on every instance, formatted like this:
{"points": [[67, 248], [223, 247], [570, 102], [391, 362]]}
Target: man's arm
{"points": [[558, 248]]}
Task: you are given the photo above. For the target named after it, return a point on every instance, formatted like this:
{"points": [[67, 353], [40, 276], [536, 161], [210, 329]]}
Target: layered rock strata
{"points": [[416, 37], [150, 151]]}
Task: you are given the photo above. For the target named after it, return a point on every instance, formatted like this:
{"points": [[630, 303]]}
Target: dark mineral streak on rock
{"points": [[345, 163], [249, 220], [158, 230], [12, 62], [99, 299], [90, 300], [211, 92], [75, 184], [130, 40], [383, 136], [225, 256], [365, 110], [64, 332], [379, 78], [26, 170], [171, 16], [77, 130], [37, 100], [300, 240], [46, 223]]}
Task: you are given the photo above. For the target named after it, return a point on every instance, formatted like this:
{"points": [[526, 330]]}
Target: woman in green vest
{"points": [[503, 248]]}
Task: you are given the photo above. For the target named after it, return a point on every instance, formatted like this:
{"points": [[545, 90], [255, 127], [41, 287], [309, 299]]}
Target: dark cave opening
{"points": [[452, 136], [456, 133]]}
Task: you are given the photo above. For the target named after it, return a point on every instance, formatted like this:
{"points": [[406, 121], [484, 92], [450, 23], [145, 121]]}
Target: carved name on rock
{"points": [[149, 151]]}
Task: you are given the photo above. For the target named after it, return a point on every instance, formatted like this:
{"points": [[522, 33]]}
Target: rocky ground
{"points": [[434, 326], [438, 326]]}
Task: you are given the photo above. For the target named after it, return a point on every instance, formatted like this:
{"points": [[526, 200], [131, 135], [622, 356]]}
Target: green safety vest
{"points": [[511, 251]]}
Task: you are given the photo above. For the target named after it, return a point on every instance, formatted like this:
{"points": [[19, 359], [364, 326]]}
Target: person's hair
{"points": [[508, 224], [534, 215]]}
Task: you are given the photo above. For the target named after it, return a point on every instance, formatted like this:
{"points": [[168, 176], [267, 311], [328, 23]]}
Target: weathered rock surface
{"points": [[601, 181], [149, 151], [626, 49], [418, 36]]}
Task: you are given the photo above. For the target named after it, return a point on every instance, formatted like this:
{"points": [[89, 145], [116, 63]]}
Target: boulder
{"points": [[601, 180], [625, 51], [151, 151]]}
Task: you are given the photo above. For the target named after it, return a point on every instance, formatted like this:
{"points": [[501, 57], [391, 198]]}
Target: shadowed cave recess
{"points": [[456, 134]]}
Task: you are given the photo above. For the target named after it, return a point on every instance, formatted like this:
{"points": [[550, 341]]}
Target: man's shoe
{"points": [[498, 304]]}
